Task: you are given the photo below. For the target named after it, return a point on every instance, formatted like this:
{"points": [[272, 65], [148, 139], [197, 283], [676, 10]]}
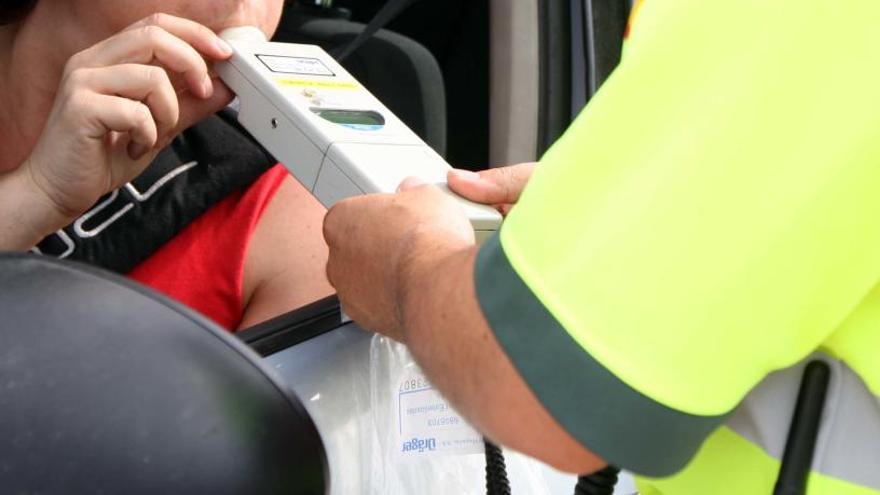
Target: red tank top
{"points": [[203, 266]]}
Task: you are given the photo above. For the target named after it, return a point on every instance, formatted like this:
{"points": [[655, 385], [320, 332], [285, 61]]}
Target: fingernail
{"points": [[409, 183], [466, 175], [223, 46], [207, 86]]}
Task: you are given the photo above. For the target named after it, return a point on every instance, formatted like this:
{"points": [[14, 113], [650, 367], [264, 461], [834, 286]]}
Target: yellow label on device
{"points": [[310, 83]]}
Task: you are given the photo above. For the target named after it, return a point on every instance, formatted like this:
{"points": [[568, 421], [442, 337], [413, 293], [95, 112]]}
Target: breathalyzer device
{"points": [[332, 134]]}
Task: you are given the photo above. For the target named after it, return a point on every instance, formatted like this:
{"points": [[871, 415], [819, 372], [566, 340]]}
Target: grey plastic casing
{"points": [[282, 88]]}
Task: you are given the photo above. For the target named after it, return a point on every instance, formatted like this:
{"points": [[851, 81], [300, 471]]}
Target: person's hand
{"points": [[499, 187], [119, 103], [376, 241]]}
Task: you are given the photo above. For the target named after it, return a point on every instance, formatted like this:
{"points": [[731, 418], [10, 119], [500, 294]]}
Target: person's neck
{"points": [[32, 58]]}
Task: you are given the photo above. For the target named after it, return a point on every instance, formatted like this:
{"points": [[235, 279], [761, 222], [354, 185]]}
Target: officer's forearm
{"points": [[450, 339]]}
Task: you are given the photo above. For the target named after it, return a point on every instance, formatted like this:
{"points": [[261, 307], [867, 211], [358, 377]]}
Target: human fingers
{"points": [[410, 183], [496, 186], [194, 109], [149, 44], [337, 222], [147, 84], [200, 37], [117, 114]]}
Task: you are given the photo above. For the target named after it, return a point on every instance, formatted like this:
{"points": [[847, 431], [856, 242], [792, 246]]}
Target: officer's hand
{"points": [[499, 187], [377, 240], [119, 103]]}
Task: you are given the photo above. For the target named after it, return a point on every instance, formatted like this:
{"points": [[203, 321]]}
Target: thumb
{"points": [[494, 186]]}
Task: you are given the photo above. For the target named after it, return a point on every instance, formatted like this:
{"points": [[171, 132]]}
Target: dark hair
{"points": [[14, 10]]}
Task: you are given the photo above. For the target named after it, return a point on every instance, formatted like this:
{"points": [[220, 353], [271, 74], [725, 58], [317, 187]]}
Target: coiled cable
{"points": [[599, 483], [496, 471]]}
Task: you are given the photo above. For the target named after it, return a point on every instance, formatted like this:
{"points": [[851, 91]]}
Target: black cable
{"points": [[496, 471], [599, 483], [804, 429]]}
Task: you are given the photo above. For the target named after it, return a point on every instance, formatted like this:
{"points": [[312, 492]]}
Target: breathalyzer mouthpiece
{"points": [[243, 33]]}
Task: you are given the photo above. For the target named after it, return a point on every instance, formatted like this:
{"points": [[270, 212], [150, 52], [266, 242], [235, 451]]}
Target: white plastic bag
{"points": [[418, 444]]}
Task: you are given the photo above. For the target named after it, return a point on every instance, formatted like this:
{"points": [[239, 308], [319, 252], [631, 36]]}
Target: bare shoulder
{"points": [[287, 257]]}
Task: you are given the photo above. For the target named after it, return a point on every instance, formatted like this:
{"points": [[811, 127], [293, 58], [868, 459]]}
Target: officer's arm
{"points": [[699, 226], [466, 363]]}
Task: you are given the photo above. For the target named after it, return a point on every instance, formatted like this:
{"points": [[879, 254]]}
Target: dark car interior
{"points": [[430, 66]]}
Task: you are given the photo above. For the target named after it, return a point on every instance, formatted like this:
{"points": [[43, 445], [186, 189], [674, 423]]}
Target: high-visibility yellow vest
{"points": [[708, 223]]}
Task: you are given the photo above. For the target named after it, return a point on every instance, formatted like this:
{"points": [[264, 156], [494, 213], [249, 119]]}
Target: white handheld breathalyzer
{"points": [[333, 136]]}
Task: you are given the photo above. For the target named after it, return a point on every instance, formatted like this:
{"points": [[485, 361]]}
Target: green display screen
{"points": [[350, 117]]}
